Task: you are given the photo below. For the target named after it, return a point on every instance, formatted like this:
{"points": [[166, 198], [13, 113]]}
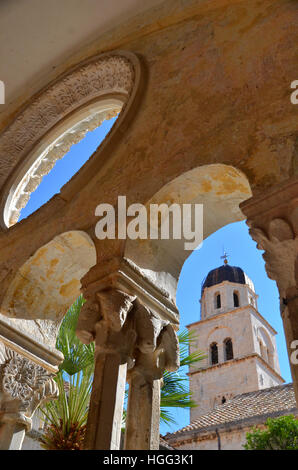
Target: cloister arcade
{"points": [[226, 140]]}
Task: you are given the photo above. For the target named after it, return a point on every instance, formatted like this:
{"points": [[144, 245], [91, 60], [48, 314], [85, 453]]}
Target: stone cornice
{"points": [[235, 310], [233, 361], [233, 284], [124, 275], [273, 200], [34, 351]]}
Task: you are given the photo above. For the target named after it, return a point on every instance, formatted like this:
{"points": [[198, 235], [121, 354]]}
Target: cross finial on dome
{"points": [[225, 257]]}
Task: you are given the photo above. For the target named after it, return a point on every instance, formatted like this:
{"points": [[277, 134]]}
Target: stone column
{"points": [[273, 221], [114, 342], [114, 316], [157, 350], [24, 386]]}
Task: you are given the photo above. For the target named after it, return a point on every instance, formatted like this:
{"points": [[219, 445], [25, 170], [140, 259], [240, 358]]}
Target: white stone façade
{"points": [[240, 347]]}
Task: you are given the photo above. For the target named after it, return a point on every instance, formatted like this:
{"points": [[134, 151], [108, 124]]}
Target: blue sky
{"points": [[234, 238]]}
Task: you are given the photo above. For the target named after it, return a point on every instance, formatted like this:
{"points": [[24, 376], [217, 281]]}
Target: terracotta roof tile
{"points": [[245, 406]]}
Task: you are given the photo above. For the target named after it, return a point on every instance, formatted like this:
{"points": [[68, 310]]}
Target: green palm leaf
{"points": [[175, 390]]}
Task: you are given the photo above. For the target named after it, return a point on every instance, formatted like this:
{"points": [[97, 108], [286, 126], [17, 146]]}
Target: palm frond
{"points": [[175, 390], [77, 356], [67, 415]]}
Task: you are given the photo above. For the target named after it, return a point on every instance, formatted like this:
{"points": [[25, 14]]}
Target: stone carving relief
{"points": [[281, 249], [273, 221], [24, 385], [48, 159], [119, 323], [107, 75]]}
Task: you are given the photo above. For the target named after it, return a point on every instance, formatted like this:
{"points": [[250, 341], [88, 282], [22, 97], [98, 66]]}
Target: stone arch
{"points": [[47, 284], [220, 188], [217, 335], [59, 116]]}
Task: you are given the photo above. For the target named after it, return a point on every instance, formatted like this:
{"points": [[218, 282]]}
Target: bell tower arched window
{"points": [[217, 300], [214, 353], [228, 349], [236, 299]]}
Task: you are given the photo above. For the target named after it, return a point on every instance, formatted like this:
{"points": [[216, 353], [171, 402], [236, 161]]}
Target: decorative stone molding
{"points": [[40, 134], [273, 222], [115, 306], [128, 336], [281, 250], [121, 275], [164, 356], [28, 346], [157, 350], [24, 386], [119, 323], [46, 161]]}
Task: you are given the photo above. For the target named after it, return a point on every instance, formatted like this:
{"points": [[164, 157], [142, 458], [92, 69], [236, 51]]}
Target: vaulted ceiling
{"points": [[37, 36]]}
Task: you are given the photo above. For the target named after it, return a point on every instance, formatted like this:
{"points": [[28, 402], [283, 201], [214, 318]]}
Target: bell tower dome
{"points": [[240, 347], [225, 288]]}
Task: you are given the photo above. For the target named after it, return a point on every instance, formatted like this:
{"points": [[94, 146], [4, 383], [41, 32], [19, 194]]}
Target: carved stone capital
{"points": [[157, 346], [273, 221], [120, 323], [122, 276], [24, 385]]}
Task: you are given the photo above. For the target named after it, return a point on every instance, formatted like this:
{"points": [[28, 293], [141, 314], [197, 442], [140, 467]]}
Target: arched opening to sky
{"points": [[66, 168], [235, 240]]}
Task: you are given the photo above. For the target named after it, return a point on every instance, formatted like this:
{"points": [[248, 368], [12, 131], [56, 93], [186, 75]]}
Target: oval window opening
{"points": [[56, 161], [66, 168]]}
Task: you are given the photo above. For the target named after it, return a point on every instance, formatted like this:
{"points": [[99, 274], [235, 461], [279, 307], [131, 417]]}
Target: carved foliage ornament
{"points": [[106, 75], [25, 381], [281, 249], [121, 324]]}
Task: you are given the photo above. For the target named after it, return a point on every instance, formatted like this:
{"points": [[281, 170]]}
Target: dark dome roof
{"points": [[226, 273]]}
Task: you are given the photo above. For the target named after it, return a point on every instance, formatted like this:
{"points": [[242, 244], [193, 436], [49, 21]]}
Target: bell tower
{"points": [[238, 341]]}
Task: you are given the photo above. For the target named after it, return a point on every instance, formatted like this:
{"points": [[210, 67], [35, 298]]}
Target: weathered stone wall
{"points": [[223, 380], [229, 440], [237, 85]]}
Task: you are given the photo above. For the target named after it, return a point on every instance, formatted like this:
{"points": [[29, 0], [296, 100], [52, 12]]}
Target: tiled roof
{"points": [[266, 402]]}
